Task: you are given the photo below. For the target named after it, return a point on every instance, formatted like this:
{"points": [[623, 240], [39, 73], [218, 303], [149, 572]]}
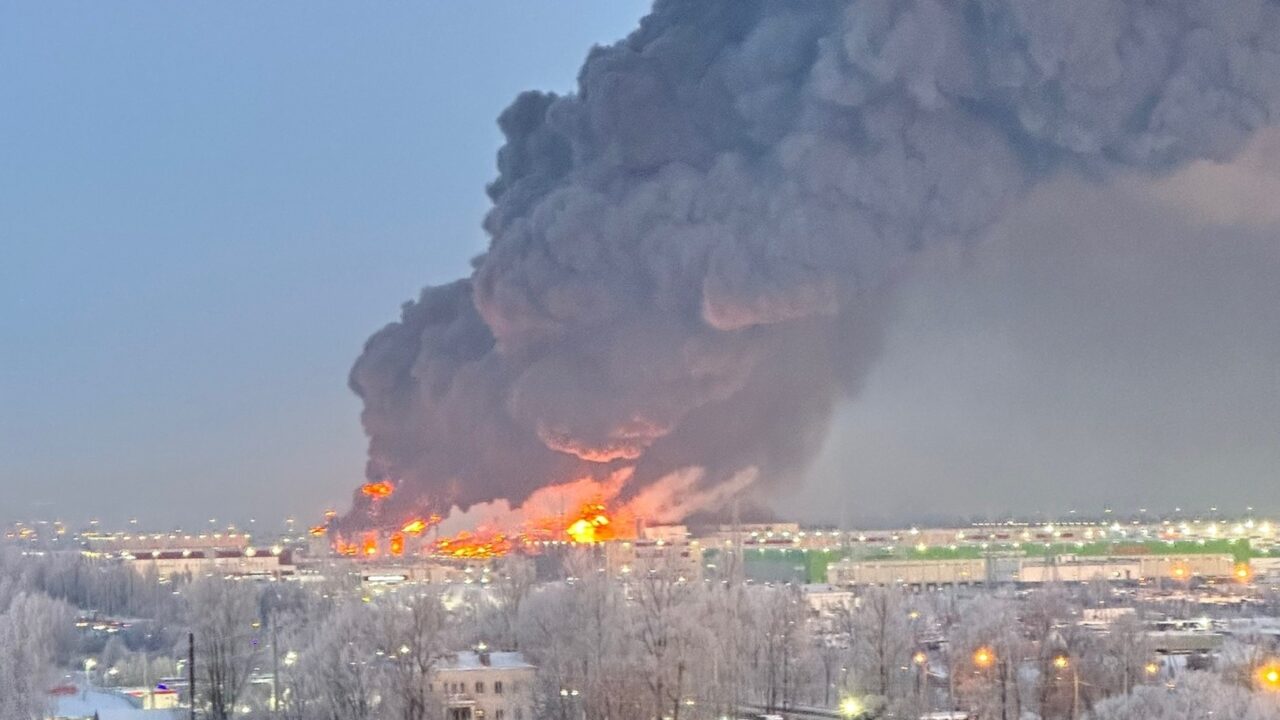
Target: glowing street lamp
{"points": [[1269, 676], [984, 657], [850, 707], [1062, 662], [1152, 669]]}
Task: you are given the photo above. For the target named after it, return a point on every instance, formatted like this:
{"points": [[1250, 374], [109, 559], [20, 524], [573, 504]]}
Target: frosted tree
{"points": [[1196, 695], [985, 651], [673, 644], [223, 614], [413, 639], [330, 671], [782, 641]]}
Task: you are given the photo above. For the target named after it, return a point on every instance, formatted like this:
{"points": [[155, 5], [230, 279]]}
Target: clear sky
{"points": [[205, 209]]}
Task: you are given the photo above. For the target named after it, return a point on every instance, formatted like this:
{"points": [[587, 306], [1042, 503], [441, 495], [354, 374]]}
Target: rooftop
{"points": [[469, 660]]}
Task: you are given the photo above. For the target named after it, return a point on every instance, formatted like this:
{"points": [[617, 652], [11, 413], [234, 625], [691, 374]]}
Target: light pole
{"points": [[986, 659], [89, 665], [568, 698], [851, 707], [1063, 662], [921, 661]]}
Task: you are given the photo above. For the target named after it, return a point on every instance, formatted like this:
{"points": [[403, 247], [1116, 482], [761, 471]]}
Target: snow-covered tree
{"points": [[229, 636], [1195, 695]]}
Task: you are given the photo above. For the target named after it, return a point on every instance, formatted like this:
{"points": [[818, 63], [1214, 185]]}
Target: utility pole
{"points": [[275, 665], [191, 671], [1075, 692]]}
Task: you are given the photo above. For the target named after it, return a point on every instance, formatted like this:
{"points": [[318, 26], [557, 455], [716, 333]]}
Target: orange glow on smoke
{"points": [[396, 544], [318, 530], [378, 490]]}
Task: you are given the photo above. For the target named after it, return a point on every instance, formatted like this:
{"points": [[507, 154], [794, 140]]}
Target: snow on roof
{"points": [[468, 660], [108, 706]]}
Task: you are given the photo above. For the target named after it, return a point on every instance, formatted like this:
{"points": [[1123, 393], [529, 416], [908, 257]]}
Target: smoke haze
{"points": [[691, 258], [1106, 346]]}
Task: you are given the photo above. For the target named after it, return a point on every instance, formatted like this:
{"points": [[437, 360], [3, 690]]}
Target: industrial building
{"points": [[1034, 571]]}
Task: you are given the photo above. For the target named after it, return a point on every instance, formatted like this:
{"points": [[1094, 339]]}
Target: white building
{"points": [[486, 686]]}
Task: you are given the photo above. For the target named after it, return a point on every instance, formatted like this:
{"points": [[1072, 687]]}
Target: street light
{"points": [[850, 707], [1269, 676], [1062, 661], [89, 665], [984, 657]]}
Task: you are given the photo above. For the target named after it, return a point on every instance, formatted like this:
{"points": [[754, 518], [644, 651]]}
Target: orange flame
{"points": [[318, 530], [465, 545], [378, 490], [396, 544], [417, 526], [370, 545], [592, 526]]}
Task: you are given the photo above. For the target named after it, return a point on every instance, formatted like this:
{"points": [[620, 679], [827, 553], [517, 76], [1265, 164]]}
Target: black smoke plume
{"points": [[688, 255]]}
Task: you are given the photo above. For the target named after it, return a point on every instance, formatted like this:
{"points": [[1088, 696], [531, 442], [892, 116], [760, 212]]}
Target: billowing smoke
{"points": [[689, 254]]}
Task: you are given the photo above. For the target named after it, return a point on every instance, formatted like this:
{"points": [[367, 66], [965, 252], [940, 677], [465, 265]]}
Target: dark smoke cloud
{"points": [[688, 256]]}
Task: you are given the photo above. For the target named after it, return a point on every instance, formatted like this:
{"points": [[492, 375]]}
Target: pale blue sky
{"points": [[205, 209]]}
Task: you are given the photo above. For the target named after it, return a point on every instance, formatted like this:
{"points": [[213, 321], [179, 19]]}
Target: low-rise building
{"points": [[483, 685], [855, 572], [227, 562], [637, 558]]}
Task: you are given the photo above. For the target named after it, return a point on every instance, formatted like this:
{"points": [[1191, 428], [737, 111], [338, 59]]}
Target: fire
{"points": [[417, 526], [592, 527], [585, 511], [466, 545], [378, 490], [318, 530]]}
